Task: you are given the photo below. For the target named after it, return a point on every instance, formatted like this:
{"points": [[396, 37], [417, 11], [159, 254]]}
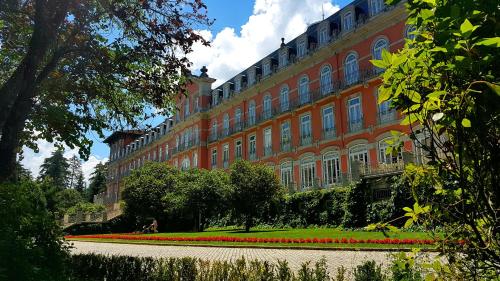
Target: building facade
{"points": [[309, 109]]}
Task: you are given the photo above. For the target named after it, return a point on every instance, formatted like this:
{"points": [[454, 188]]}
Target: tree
{"points": [[97, 180], [255, 187], [56, 168], [201, 193], [80, 184], [70, 66], [67, 198], [75, 172], [446, 83], [144, 189]]}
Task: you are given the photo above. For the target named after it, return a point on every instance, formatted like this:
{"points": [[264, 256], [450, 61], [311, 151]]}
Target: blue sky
{"points": [[244, 31]]}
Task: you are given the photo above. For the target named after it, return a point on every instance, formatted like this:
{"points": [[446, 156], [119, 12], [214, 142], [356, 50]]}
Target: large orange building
{"points": [[309, 109]]}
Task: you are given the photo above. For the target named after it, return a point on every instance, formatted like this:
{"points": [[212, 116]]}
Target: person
{"points": [[154, 226]]}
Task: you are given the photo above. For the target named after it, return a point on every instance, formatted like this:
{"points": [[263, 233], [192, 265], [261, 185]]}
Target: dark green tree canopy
{"points": [[97, 180], [56, 168], [69, 66]]}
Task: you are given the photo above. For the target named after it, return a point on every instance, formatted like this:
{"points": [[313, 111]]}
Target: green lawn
{"points": [[281, 233]]}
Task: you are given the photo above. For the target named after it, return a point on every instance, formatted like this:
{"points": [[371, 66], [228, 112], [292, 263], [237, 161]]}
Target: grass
{"points": [[281, 233]]}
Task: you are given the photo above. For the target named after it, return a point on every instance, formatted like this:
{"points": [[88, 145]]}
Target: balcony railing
{"points": [[328, 134], [286, 146], [386, 117], [355, 125], [305, 140], [268, 150], [252, 156]]}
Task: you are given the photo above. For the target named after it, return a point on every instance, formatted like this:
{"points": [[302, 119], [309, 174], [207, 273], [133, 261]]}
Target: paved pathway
{"points": [[349, 259]]}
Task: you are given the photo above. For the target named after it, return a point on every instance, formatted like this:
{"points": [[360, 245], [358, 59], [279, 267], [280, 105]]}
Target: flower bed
{"points": [[394, 241]]}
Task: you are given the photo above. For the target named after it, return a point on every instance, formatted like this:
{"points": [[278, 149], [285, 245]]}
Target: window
{"points": [[410, 32], [225, 125], [301, 48], [196, 134], [388, 158], [186, 108], [285, 136], [237, 85], [307, 172], [185, 165], [284, 98], [326, 80], [355, 115], [154, 155], [213, 132], [358, 155], [351, 69], [331, 168], [328, 123], [418, 144], [268, 142], [376, 6], [385, 113], [286, 172], [176, 163], [323, 35], [225, 155], [252, 147], [266, 107], [305, 129], [195, 160], [238, 149], [379, 46], [266, 68], [160, 154], [283, 58], [214, 158], [166, 151], [251, 76], [251, 113], [215, 97], [304, 89], [237, 119], [225, 91], [177, 142], [197, 104], [348, 21]]}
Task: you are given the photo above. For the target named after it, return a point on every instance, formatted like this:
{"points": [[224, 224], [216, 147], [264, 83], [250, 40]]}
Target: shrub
{"points": [[368, 271]]}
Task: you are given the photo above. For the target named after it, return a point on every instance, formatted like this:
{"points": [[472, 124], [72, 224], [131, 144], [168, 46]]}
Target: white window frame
{"points": [[213, 158], [358, 153], [286, 173], [225, 155], [328, 118], [331, 168], [268, 141], [348, 21], [351, 69], [385, 158], [305, 128], [238, 149], [307, 172], [251, 113], [284, 98], [376, 6], [301, 47], [252, 146], [326, 79], [304, 96], [267, 106], [225, 124], [323, 34]]}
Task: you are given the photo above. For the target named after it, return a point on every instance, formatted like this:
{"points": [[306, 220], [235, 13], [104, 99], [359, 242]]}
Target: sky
{"points": [[244, 31]]}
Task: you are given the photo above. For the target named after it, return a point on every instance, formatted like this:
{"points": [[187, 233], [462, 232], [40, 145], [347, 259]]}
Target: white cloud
{"points": [[32, 160], [231, 53]]}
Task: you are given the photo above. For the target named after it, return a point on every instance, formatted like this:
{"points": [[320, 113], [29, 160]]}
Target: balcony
{"points": [[225, 164], [386, 117], [237, 127], [328, 134], [286, 146], [212, 137], [305, 140], [252, 156], [315, 183], [355, 125], [266, 114], [268, 151]]}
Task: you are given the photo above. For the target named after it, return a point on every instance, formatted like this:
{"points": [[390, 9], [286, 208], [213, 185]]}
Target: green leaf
{"points": [[466, 123], [493, 42], [439, 49], [408, 223], [494, 87], [383, 94], [467, 28], [414, 96], [392, 228], [379, 63]]}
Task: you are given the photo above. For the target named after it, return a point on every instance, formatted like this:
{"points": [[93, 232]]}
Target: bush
{"points": [[85, 208], [368, 271], [94, 267], [31, 244]]}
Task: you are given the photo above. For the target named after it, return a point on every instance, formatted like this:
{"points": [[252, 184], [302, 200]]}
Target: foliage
{"points": [[70, 67], [356, 205], [255, 187], [144, 189], [31, 244], [200, 193], [75, 177], [85, 208], [67, 198], [56, 168], [368, 271], [404, 267], [93, 267], [446, 83], [97, 182]]}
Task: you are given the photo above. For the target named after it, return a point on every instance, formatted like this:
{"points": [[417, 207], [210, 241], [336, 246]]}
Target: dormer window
{"points": [[186, 108], [237, 84], [376, 6], [251, 76], [301, 47], [266, 67], [323, 34], [283, 57], [215, 97], [348, 21], [226, 91]]}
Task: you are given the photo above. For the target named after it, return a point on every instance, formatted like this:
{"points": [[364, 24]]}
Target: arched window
{"points": [[286, 172], [213, 132], [331, 168], [186, 164], [410, 32], [348, 21], [196, 134], [380, 45], [307, 172], [385, 112], [351, 69], [284, 98], [237, 119], [326, 79], [251, 113], [186, 108], [195, 159], [304, 89], [225, 124], [386, 156], [266, 107], [358, 154]]}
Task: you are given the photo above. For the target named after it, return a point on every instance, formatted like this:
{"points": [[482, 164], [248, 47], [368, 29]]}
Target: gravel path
{"points": [[335, 259]]}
